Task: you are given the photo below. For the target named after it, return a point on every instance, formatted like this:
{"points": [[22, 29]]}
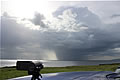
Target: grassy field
{"points": [[11, 72]]}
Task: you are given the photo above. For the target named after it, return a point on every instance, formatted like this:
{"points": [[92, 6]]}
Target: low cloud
{"points": [[115, 16], [38, 20]]}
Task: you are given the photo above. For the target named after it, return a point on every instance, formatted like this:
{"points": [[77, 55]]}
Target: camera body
{"points": [[29, 66]]}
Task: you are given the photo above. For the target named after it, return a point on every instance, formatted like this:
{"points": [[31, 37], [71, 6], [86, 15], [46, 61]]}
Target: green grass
{"points": [[7, 73]]}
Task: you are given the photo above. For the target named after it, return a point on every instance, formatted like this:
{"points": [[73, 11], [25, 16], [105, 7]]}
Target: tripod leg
{"points": [[32, 78]]}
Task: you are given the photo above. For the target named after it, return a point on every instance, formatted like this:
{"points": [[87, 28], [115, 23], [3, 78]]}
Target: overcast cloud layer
{"points": [[74, 33]]}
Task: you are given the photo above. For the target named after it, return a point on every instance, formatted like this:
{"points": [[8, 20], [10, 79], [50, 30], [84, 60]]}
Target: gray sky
{"points": [[67, 30]]}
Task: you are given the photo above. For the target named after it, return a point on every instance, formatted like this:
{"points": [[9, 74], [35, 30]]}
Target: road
{"points": [[86, 75]]}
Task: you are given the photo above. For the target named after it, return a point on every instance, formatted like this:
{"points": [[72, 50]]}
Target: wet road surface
{"points": [[86, 75]]}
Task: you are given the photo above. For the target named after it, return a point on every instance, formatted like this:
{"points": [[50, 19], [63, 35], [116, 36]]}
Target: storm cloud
{"points": [[37, 20], [74, 33], [115, 15]]}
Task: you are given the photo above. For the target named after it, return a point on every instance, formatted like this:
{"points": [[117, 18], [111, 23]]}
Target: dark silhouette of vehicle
{"points": [[114, 75]]}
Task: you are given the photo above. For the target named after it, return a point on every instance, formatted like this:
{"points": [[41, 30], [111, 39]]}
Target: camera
{"points": [[30, 66]]}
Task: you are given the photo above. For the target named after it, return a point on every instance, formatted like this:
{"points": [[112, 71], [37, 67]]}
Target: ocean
{"points": [[56, 63]]}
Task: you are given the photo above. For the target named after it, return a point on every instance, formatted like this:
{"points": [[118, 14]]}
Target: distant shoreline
{"points": [[55, 63], [66, 66]]}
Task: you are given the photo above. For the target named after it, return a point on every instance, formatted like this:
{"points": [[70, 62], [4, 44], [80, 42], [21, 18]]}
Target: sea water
{"points": [[56, 63]]}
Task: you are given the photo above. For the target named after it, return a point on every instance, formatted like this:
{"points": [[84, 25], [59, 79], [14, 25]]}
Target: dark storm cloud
{"points": [[37, 20], [96, 40], [115, 16], [85, 38], [5, 14]]}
